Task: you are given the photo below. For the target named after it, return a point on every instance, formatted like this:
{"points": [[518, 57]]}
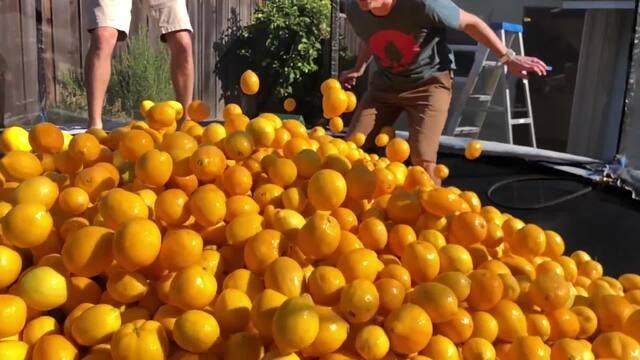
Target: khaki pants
{"points": [[427, 108], [169, 15]]}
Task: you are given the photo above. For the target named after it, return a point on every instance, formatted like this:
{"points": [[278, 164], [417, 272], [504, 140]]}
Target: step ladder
{"points": [[476, 100]]}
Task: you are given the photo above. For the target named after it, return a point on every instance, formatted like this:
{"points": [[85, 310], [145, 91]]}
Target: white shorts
{"points": [[169, 15]]}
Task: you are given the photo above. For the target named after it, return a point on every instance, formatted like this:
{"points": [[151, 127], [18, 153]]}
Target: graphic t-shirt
{"points": [[409, 44]]}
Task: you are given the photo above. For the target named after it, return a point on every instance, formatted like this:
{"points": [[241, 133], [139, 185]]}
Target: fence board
{"points": [[29, 55], [10, 50], [85, 37], [193, 8], [47, 56], [66, 42], [209, 88]]}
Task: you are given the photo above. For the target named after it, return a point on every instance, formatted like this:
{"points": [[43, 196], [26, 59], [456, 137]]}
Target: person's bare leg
{"points": [[98, 71], [180, 47]]}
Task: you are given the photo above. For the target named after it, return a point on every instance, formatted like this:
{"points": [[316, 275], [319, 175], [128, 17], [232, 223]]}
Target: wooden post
{"points": [[47, 55], [331, 53], [335, 38], [3, 90]]}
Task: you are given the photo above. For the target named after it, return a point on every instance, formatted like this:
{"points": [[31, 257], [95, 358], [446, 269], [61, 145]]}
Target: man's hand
{"points": [[521, 65], [482, 33], [348, 78]]}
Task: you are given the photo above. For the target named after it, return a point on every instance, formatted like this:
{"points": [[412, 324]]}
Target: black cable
{"points": [[490, 192]]}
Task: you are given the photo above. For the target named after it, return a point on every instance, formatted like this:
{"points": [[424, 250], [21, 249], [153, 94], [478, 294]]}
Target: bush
{"points": [[283, 45], [139, 72]]}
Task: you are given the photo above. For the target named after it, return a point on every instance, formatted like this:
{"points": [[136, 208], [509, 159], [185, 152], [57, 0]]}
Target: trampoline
{"points": [[604, 221]]}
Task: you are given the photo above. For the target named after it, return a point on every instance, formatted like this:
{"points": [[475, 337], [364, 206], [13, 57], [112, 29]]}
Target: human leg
{"points": [[182, 73], [108, 22], [427, 108], [172, 18], [372, 114]]}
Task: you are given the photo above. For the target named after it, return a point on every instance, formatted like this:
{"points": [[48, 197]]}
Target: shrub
{"points": [[283, 45]]}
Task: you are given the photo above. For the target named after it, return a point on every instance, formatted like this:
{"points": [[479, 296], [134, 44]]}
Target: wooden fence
{"points": [[65, 43]]}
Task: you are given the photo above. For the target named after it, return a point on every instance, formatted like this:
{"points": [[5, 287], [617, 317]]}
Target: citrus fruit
{"points": [[207, 163], [20, 165], [192, 288], [473, 150], [440, 302], [136, 244], [243, 345], [327, 190], [96, 324], [118, 206], [296, 324], [54, 346], [27, 225], [397, 150], [198, 111], [359, 263], [232, 310], [263, 310], [285, 276], [336, 125], [39, 327], [422, 261], [10, 266], [84, 147], [289, 104], [409, 329], [441, 347], [334, 102], [161, 116], [372, 342], [392, 294], [359, 301], [332, 333], [245, 281], [319, 237], [185, 242], [196, 331], [14, 315], [140, 339], [208, 205], [249, 82]]}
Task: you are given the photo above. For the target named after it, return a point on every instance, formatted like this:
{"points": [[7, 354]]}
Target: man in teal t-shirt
{"points": [[408, 40]]}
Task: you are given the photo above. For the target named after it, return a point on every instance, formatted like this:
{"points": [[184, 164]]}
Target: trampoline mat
{"points": [[604, 222]]}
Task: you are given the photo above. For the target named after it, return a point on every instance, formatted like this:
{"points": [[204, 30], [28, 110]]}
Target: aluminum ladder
{"points": [[471, 108]]}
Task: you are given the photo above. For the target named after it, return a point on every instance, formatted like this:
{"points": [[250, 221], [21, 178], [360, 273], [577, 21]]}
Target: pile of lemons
{"points": [[259, 239]]}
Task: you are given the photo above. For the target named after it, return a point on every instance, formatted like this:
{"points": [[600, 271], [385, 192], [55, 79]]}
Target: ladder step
{"points": [[486, 109], [481, 97], [465, 130], [465, 48], [493, 109], [492, 64], [521, 121]]}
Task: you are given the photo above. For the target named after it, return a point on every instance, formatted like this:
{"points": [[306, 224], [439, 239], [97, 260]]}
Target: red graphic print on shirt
{"points": [[395, 50]]}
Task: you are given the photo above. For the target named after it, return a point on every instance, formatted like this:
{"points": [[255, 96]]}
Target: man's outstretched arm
{"points": [[482, 33]]}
